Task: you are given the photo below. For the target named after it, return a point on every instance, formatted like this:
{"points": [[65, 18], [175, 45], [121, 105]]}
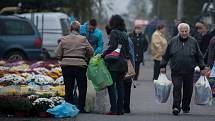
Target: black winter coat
{"points": [[118, 37], [183, 55], [140, 45]]}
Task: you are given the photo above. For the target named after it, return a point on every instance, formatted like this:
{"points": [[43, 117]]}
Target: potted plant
{"points": [[21, 106], [57, 100], [5, 106], [18, 105], [32, 97], [41, 105]]}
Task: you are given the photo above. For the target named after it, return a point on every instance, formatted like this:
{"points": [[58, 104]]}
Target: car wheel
{"points": [[15, 56]]}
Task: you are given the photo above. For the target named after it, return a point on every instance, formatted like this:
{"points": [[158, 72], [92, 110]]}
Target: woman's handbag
{"points": [[131, 71]]}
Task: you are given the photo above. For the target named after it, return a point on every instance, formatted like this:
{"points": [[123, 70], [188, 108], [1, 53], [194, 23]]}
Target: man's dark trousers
{"points": [[156, 69], [184, 80], [70, 74]]}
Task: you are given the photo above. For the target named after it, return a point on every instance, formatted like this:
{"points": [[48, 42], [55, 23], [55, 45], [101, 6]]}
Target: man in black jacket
{"points": [[184, 54]]}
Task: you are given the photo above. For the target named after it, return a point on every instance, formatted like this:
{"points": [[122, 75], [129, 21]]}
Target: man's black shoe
{"points": [[175, 111]]}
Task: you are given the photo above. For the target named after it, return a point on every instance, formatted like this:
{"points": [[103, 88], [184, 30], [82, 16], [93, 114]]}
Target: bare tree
{"points": [[81, 9], [140, 8], [101, 8]]}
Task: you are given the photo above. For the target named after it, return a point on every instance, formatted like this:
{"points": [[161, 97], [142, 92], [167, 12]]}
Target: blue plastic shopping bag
{"points": [[64, 110]]}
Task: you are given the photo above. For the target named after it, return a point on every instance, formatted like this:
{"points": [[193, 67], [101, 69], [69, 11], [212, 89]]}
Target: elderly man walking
{"points": [[184, 54]]}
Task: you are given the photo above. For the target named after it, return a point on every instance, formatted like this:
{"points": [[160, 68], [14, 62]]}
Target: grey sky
{"points": [[120, 6]]}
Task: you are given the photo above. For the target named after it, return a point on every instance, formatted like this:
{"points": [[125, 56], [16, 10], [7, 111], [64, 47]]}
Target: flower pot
{"points": [[43, 114]]}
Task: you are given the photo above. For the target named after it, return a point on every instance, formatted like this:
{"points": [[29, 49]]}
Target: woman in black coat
{"points": [[140, 47], [117, 68]]}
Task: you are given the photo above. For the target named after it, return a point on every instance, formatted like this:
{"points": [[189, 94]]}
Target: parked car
{"points": [[19, 39], [52, 26]]}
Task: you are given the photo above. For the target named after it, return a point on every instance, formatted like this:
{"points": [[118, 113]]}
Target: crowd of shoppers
{"points": [[184, 51]]}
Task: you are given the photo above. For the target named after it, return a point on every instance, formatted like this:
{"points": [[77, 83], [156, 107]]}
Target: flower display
{"points": [[57, 69], [9, 90], [41, 70], [18, 63], [23, 67], [55, 72], [59, 81], [2, 62], [13, 78], [37, 64], [6, 82], [40, 79], [33, 97], [45, 93], [26, 75], [59, 90], [42, 104], [45, 64], [57, 100], [36, 83], [3, 68]]}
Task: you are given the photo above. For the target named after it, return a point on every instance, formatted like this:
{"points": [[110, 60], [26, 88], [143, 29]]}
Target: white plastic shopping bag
{"points": [[162, 88], [203, 93], [96, 101], [102, 102], [90, 97]]}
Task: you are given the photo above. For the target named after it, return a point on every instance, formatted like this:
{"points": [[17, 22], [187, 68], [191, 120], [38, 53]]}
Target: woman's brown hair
{"points": [[160, 26]]}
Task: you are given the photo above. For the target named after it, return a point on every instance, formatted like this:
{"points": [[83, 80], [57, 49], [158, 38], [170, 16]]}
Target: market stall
{"points": [[28, 88]]}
